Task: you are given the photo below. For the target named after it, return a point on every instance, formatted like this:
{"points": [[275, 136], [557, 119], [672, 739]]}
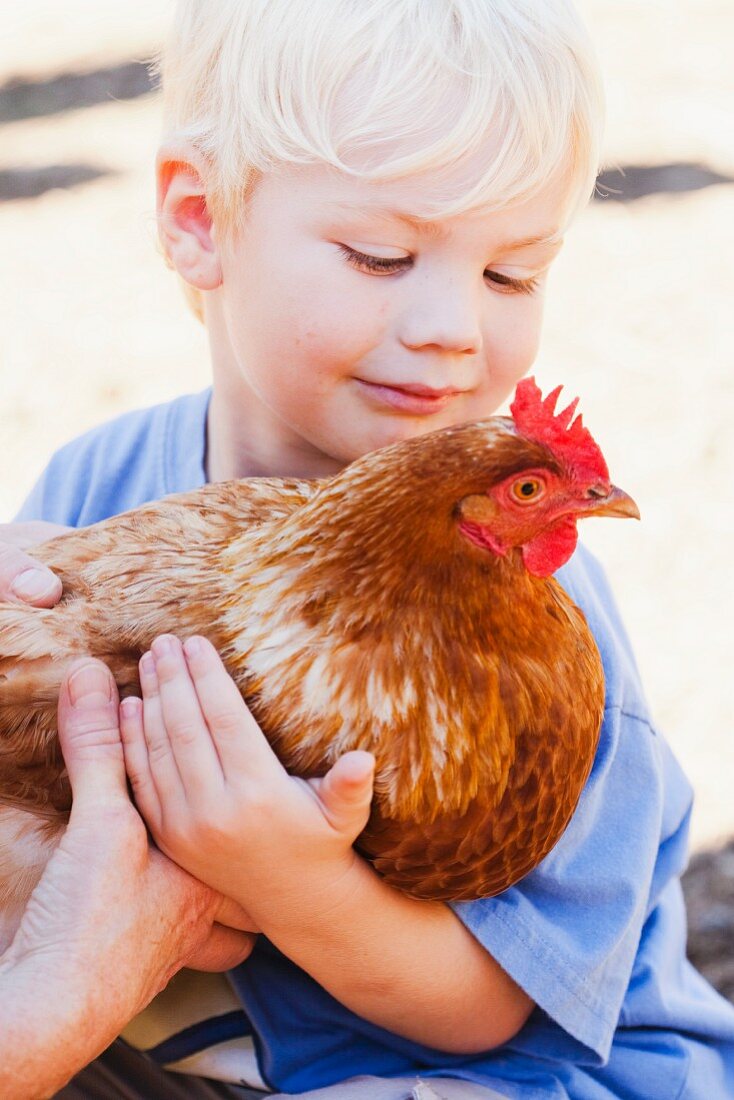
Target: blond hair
{"points": [[383, 89]]}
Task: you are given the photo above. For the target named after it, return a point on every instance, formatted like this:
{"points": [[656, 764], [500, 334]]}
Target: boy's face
{"points": [[340, 327]]}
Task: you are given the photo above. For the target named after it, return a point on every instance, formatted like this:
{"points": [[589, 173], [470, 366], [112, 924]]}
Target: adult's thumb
{"points": [[89, 732]]}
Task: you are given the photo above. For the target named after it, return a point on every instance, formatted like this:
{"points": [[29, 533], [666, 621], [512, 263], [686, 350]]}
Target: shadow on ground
{"points": [[708, 885], [21, 99], [634, 181], [29, 183]]}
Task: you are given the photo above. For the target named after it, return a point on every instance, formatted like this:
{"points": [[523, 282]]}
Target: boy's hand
{"points": [[23, 580], [219, 802]]}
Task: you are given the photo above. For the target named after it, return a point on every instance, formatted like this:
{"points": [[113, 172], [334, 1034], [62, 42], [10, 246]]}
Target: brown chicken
{"points": [[405, 607]]}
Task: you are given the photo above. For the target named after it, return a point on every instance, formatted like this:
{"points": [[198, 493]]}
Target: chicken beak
{"points": [[613, 503]]}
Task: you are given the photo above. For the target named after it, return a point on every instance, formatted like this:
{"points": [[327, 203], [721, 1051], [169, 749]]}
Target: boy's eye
{"points": [[507, 285], [376, 265], [391, 265]]}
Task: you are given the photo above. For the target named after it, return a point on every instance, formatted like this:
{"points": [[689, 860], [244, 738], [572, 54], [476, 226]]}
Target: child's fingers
{"points": [[240, 742], [188, 735], [137, 764], [161, 761]]}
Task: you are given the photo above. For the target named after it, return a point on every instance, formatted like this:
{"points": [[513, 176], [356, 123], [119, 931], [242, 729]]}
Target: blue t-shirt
{"points": [[595, 934]]}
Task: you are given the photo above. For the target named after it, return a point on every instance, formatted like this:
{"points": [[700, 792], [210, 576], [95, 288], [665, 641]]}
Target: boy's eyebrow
{"points": [[381, 213], [433, 229], [553, 237]]}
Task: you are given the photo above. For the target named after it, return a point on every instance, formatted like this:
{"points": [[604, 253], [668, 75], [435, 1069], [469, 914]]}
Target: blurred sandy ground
{"points": [[639, 319]]}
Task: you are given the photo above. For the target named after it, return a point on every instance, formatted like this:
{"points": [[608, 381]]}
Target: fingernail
{"points": [[34, 584], [192, 646], [90, 686], [162, 645], [147, 664]]}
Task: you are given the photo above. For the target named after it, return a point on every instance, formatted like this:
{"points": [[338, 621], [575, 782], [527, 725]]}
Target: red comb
{"points": [[572, 442]]}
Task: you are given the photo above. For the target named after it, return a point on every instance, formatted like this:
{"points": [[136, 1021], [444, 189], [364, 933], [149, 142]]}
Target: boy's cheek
{"points": [[323, 318], [519, 347], [327, 346]]}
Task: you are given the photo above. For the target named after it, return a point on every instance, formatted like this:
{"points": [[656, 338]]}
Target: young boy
{"points": [[363, 201]]}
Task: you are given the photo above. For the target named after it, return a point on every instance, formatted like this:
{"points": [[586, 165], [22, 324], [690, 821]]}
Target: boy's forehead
{"points": [[417, 203]]}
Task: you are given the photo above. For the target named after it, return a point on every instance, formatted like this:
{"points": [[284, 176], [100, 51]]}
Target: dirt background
{"points": [[639, 323]]}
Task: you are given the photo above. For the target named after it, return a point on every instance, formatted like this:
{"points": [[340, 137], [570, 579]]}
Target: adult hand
{"points": [[22, 579], [111, 919]]}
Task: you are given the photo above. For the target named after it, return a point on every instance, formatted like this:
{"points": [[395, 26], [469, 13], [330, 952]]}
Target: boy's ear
{"points": [[184, 223]]}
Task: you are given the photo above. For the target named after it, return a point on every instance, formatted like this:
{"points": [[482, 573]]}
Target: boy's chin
{"points": [[400, 429], [397, 430]]}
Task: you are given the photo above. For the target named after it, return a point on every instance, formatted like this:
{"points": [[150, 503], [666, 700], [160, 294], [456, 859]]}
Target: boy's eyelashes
{"points": [[382, 265], [508, 285]]}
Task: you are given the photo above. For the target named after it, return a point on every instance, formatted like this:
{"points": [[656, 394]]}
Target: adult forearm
{"points": [[46, 1039], [409, 966]]}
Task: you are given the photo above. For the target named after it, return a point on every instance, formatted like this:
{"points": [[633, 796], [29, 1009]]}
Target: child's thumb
{"points": [[346, 791], [89, 732]]}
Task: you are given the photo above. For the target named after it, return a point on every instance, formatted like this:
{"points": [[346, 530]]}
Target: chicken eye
{"points": [[527, 489]]}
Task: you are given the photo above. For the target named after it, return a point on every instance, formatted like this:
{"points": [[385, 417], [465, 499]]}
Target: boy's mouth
{"points": [[411, 398]]}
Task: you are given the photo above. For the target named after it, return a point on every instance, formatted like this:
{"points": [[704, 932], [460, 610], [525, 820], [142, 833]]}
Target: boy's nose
{"points": [[447, 320]]}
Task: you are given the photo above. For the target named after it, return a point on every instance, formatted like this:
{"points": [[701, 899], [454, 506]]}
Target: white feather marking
{"points": [[316, 686]]}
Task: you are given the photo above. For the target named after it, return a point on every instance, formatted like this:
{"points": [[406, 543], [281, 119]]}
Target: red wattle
{"points": [[552, 549]]}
